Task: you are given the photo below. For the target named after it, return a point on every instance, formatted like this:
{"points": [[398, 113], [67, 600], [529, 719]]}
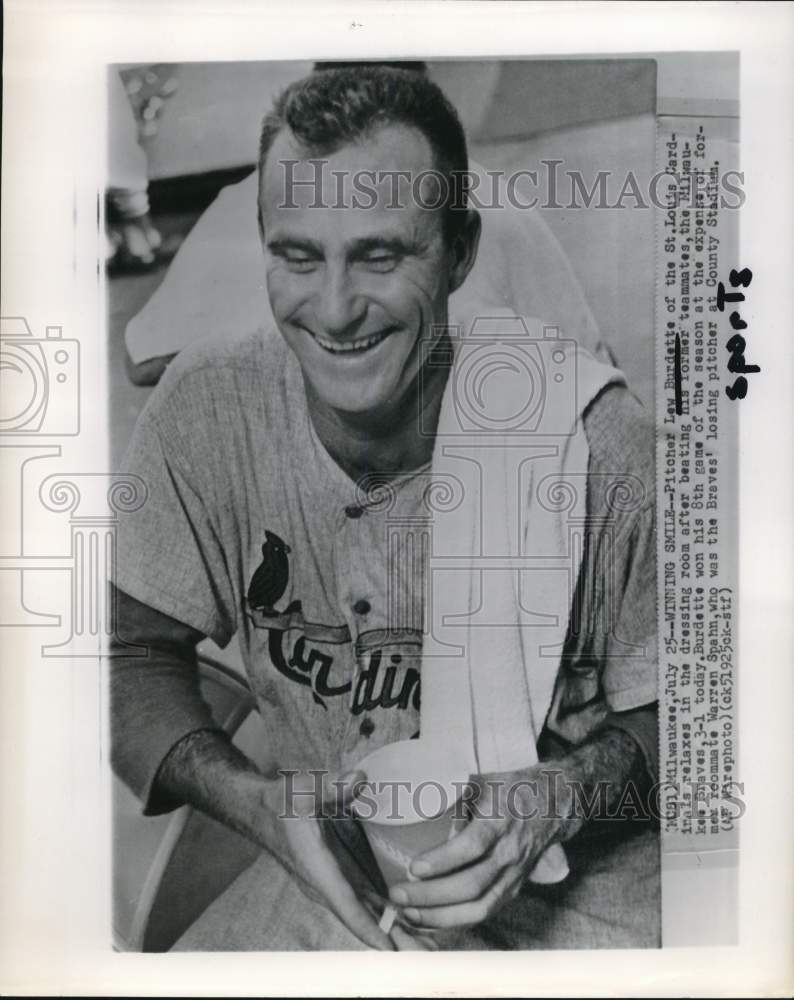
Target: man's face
{"points": [[356, 291]]}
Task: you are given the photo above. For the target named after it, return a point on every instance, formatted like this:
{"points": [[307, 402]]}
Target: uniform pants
{"points": [[611, 899]]}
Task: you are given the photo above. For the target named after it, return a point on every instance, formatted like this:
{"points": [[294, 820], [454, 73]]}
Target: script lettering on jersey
{"points": [[304, 653], [376, 686], [306, 665]]}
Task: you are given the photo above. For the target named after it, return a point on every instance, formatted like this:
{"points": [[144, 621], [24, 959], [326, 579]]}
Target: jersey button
{"points": [[353, 511], [367, 727], [362, 607]]}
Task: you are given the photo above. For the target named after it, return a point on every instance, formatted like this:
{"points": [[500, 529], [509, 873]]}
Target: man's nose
{"points": [[340, 308]]}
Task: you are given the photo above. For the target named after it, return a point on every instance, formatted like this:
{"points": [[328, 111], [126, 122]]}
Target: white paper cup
{"points": [[410, 802]]}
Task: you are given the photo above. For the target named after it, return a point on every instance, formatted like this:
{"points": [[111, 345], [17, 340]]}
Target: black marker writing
{"points": [[736, 345]]}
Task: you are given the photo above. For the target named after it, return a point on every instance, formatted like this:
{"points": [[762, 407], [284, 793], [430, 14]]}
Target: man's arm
{"points": [[516, 816], [206, 770], [610, 775], [167, 747], [599, 745], [155, 699]]}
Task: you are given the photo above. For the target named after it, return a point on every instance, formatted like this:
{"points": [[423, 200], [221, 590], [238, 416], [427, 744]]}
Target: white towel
{"points": [[509, 464]]}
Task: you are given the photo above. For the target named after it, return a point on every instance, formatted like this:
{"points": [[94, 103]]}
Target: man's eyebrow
{"points": [[355, 250], [294, 243], [391, 244]]}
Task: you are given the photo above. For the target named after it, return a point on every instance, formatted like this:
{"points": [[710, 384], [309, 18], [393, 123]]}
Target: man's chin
{"points": [[356, 389], [353, 403]]}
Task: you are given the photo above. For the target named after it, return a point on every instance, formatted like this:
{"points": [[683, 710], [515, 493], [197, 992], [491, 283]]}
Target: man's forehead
{"points": [[379, 169]]}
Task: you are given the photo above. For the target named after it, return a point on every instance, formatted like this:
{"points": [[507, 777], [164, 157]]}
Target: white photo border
{"points": [[55, 866]]}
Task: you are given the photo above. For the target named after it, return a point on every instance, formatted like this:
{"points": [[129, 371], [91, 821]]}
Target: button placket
{"points": [[363, 544], [355, 536], [348, 593]]}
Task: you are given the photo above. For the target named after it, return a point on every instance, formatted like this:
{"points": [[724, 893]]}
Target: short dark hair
{"points": [[333, 107]]}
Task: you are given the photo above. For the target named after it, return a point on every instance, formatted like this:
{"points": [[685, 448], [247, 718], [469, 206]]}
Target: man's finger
{"points": [[474, 841], [342, 900], [405, 941], [460, 887], [463, 914], [342, 789]]}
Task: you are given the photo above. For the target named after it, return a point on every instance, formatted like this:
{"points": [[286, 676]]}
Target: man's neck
{"points": [[384, 444]]}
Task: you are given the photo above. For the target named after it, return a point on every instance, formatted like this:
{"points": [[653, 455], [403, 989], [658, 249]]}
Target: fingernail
{"points": [[413, 914], [421, 868], [400, 896]]}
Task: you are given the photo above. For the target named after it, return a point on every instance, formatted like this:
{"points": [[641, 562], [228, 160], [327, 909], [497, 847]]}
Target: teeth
{"points": [[354, 347]]}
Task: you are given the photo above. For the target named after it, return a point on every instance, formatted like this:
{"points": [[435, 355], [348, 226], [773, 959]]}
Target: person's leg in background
{"points": [[132, 239]]}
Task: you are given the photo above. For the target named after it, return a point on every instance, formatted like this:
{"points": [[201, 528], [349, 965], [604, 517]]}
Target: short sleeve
{"points": [[169, 554], [609, 662]]}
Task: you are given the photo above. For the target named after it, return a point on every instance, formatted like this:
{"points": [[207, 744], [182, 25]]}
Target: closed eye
{"points": [[299, 262], [301, 265], [381, 262], [299, 259]]}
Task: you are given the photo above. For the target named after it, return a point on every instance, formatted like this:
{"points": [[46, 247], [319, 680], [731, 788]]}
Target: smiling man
{"points": [[257, 525], [358, 291]]}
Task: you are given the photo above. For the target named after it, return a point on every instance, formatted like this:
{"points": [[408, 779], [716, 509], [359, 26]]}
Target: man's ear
{"points": [[464, 249]]}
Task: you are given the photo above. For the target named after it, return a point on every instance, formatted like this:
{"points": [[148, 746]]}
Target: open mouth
{"points": [[359, 346]]}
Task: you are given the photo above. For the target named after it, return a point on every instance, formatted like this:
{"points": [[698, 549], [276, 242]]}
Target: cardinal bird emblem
{"points": [[269, 582]]}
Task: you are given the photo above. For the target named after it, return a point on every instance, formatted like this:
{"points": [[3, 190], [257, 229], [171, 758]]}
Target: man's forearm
{"points": [[206, 771], [595, 778], [155, 698]]}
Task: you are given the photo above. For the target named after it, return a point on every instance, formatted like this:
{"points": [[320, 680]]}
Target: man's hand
{"points": [[284, 816], [483, 867], [516, 815], [298, 842]]}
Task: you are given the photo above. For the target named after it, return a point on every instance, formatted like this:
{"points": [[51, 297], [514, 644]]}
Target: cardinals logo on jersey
{"points": [[269, 582]]}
